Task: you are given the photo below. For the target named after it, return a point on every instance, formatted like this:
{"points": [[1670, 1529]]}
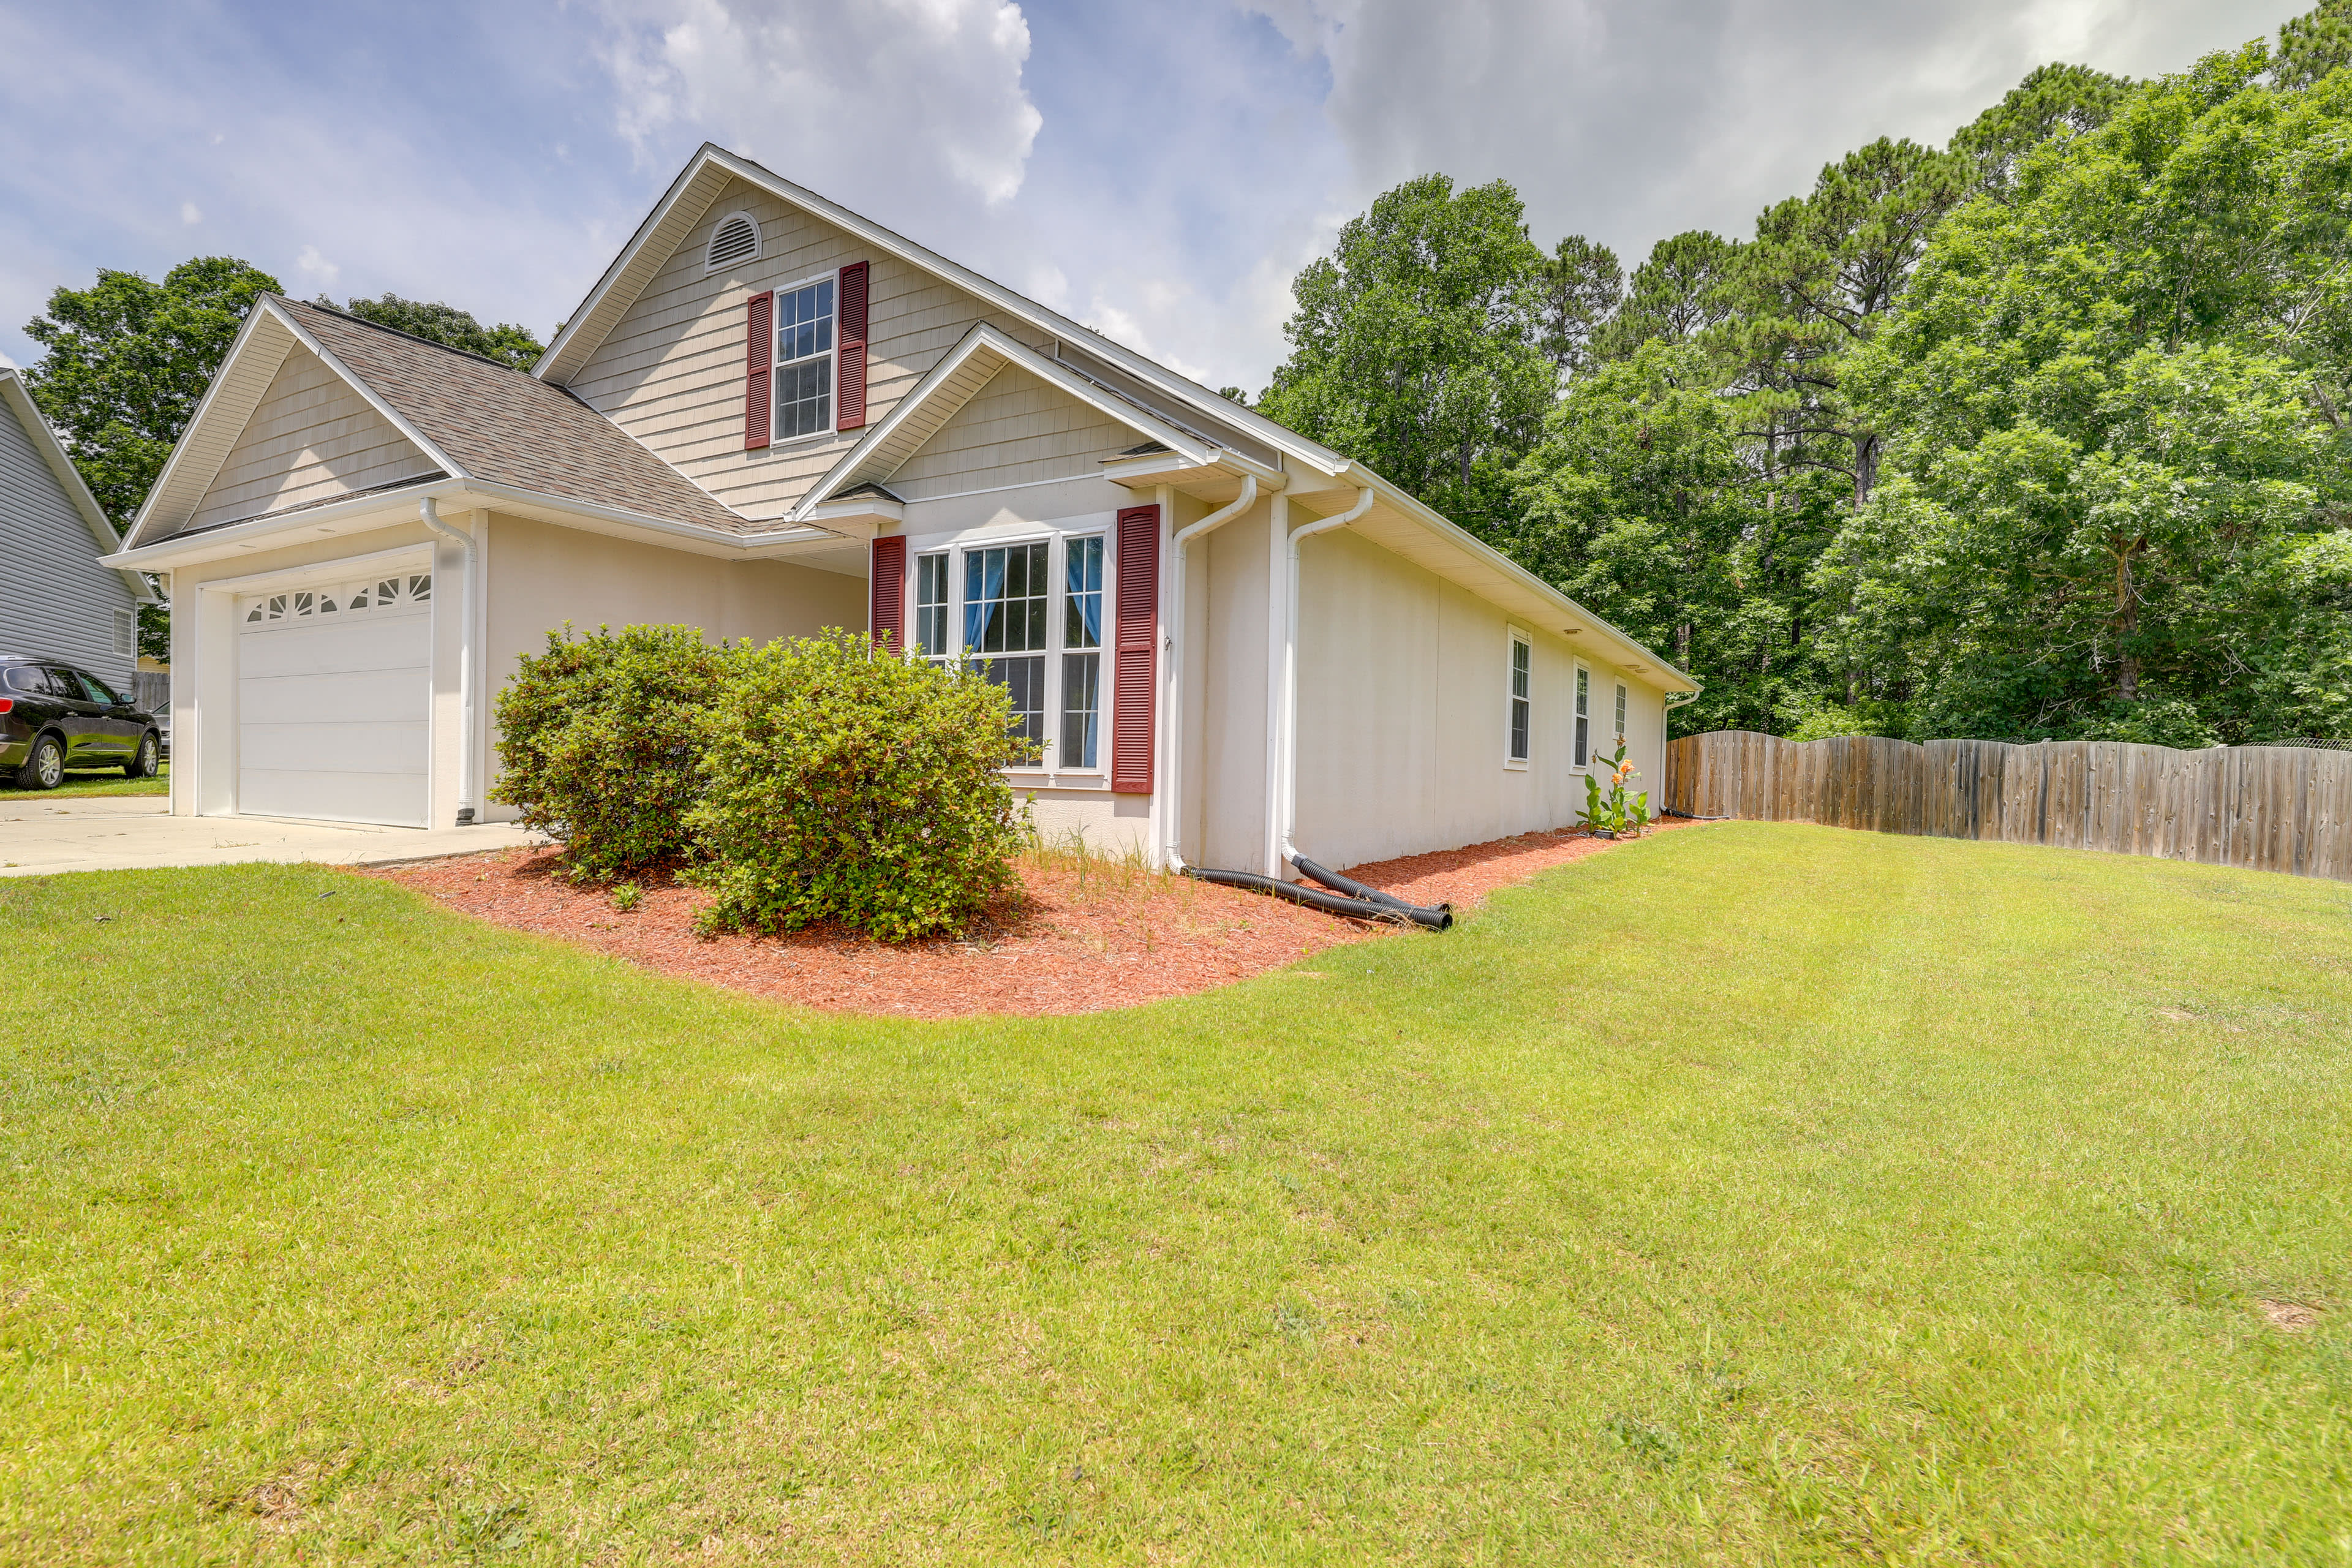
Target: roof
{"points": [[707, 173], [495, 423], [19, 400]]}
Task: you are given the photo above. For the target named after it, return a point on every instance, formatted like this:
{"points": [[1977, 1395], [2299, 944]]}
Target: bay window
{"points": [[1030, 615]]}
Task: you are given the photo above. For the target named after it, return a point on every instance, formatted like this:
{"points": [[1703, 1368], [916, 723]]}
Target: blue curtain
{"points": [[1083, 571], [984, 596]]}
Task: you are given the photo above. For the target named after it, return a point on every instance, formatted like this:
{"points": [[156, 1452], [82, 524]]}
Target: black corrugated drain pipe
{"points": [[1374, 906]]}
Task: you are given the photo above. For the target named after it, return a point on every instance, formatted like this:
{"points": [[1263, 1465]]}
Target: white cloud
{"points": [[190, 213], [316, 268], [922, 97], [1630, 122]]}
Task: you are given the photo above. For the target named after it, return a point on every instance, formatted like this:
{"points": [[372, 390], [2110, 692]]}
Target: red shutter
{"points": [[1135, 674], [849, 404], [759, 369], [886, 618]]}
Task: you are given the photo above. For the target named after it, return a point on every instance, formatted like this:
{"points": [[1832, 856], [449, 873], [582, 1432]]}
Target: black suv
{"points": [[54, 717]]}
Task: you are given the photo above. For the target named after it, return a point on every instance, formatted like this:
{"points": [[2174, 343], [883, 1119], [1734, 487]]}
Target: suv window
{"points": [[99, 689], [26, 677]]}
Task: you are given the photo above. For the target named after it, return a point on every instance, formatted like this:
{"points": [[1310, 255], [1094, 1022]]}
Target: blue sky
{"points": [[1160, 170]]}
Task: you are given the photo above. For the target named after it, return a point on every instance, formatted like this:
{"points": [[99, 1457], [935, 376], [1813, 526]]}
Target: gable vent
{"points": [[737, 239]]}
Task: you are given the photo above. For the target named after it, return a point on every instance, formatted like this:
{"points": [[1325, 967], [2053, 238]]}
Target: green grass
{"points": [[1753, 1195], [84, 783]]}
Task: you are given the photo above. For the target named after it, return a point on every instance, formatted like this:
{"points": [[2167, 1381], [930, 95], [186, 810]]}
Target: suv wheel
{"points": [[142, 764], [45, 768]]}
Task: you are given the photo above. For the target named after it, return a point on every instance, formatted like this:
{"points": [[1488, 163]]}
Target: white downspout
{"points": [[1285, 807], [1174, 784], [430, 513]]}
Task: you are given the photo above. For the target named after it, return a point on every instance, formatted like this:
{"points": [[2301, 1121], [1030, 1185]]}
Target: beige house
{"points": [[771, 417]]}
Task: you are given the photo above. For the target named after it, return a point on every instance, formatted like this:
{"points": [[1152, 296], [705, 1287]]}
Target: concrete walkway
{"points": [[40, 835]]}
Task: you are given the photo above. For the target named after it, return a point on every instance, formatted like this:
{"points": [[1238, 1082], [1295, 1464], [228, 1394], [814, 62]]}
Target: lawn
{"points": [[109, 782], [1762, 1193]]}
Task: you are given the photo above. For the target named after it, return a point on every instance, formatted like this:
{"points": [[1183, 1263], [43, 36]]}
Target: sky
{"points": [[1157, 169]]}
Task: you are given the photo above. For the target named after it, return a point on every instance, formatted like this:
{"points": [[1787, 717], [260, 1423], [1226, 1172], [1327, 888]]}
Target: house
{"points": [[55, 600], [772, 416]]}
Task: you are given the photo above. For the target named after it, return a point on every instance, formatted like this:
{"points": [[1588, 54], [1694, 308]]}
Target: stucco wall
{"points": [[542, 575], [1402, 709]]}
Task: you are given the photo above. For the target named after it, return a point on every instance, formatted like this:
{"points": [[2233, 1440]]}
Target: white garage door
{"points": [[334, 695]]}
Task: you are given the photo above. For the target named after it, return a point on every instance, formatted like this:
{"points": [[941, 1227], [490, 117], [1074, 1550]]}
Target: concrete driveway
{"points": [[43, 835]]}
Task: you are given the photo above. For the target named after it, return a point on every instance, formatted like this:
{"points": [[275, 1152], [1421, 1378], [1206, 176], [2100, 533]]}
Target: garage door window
{"points": [[342, 600]]}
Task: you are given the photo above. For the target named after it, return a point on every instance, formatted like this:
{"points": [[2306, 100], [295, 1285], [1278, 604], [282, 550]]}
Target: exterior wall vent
{"points": [[736, 240]]}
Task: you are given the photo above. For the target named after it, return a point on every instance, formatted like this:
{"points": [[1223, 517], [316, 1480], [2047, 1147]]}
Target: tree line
{"points": [[2038, 433]]}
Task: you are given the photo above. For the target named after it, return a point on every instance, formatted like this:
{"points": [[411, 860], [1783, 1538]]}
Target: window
{"points": [[126, 632], [1522, 696], [93, 688], [804, 360], [1621, 714], [1004, 601], [931, 607], [1584, 716], [736, 240], [1082, 623]]}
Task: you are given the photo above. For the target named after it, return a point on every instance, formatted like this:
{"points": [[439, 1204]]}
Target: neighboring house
{"points": [[772, 416], [55, 600]]}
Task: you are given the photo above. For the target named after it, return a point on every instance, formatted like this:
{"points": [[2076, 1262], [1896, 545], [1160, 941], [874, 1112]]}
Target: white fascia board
{"points": [[1488, 555], [1184, 390], [19, 397], [166, 480], [309, 522], [985, 339], [859, 509]]}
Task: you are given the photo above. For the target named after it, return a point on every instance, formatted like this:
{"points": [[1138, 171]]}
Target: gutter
{"points": [[1169, 856], [429, 513], [1281, 798]]}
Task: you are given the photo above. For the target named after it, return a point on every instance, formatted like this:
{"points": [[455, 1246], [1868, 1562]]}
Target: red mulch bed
{"points": [[1118, 939]]}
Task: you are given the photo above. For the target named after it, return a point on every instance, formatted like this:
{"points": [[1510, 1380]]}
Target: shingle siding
{"points": [[55, 600]]}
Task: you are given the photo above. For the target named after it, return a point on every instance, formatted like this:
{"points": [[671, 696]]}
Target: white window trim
{"points": [[1623, 714], [1517, 640], [1046, 773], [759, 244], [832, 356], [1581, 672]]}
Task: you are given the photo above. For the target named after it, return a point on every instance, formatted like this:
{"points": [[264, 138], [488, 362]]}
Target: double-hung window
{"points": [[931, 607], [1522, 713], [1081, 628], [1005, 595], [1584, 716], [804, 359]]}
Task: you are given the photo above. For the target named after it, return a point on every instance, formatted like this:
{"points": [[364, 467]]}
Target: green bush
{"points": [[600, 739], [846, 786]]}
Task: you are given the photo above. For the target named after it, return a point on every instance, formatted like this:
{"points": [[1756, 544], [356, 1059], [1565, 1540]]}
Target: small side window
{"points": [[1522, 708], [126, 632], [1621, 714], [1584, 716]]}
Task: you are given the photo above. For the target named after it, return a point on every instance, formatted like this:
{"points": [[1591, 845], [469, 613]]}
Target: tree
{"points": [[2052, 102], [128, 360], [507, 343], [2115, 398], [1415, 345], [1674, 295], [1578, 291], [1635, 502], [2312, 45]]}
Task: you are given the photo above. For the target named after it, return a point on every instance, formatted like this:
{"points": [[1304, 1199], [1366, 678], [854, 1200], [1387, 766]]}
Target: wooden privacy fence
{"points": [[2273, 808]]}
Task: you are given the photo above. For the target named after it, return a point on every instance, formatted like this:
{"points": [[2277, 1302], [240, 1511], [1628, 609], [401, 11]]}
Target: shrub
{"points": [[845, 785], [600, 738]]}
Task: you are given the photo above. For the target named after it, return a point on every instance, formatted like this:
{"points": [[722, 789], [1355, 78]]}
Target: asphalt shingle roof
{"points": [[507, 427]]}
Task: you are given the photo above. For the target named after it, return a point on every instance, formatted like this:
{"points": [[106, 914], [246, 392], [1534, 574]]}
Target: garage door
{"points": [[334, 695]]}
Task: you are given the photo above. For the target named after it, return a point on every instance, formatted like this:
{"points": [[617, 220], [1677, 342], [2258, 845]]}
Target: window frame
{"points": [[1516, 733], [1624, 712], [1580, 718], [1048, 770], [831, 356]]}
